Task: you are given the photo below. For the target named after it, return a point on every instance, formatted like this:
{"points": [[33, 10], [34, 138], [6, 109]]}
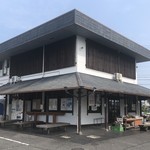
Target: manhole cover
{"points": [[77, 149]]}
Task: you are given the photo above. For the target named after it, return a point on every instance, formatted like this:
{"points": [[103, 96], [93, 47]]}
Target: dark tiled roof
{"points": [[73, 81], [43, 84], [73, 23], [113, 86]]}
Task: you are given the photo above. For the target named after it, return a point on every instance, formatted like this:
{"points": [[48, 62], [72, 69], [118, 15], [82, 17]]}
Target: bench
{"points": [[22, 124], [144, 127], [47, 127], [5, 122], [53, 114]]}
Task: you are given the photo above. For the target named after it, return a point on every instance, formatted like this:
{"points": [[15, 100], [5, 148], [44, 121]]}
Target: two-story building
{"points": [[71, 69]]}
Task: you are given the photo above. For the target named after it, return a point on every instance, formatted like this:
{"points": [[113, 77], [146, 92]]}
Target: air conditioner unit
{"points": [[118, 77], [15, 79], [5, 63]]}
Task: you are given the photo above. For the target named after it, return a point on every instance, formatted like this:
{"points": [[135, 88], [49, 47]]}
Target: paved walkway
{"points": [[93, 138]]}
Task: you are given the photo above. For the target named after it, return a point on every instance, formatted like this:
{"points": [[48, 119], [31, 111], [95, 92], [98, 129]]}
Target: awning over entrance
{"points": [[73, 81], [113, 86], [42, 84]]}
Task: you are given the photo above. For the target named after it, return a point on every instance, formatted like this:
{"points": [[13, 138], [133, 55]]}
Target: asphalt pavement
{"points": [[93, 138]]}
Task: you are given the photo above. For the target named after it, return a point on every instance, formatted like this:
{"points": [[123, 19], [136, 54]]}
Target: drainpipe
{"points": [[23, 113], [78, 97], [6, 104], [106, 112], [79, 112]]}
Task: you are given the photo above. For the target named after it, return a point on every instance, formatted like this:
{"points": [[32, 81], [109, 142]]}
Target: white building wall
{"points": [[89, 118], [50, 73], [4, 80], [81, 54]]}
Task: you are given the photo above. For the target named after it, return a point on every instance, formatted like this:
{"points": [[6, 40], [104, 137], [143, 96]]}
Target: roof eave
{"points": [[73, 23]]}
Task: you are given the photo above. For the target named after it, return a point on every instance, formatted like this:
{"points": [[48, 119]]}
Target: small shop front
{"points": [[77, 99]]}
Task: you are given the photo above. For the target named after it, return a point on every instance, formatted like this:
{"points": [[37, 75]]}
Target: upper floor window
{"points": [[57, 55], [60, 54], [108, 60], [27, 63]]}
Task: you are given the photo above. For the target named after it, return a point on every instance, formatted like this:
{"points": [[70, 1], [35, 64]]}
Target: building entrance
{"points": [[113, 110]]}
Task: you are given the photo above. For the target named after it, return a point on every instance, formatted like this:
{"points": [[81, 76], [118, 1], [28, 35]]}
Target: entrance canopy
{"points": [[74, 81]]}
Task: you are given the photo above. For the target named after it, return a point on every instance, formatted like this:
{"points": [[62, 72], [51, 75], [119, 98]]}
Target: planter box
{"points": [[117, 128]]}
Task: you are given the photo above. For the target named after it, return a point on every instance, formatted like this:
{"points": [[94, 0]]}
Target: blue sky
{"points": [[130, 18]]}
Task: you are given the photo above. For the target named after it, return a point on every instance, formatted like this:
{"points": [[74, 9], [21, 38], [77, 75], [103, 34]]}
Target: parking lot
{"points": [[93, 138]]}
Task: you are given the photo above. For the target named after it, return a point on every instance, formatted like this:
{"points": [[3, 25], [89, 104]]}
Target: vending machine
{"points": [[17, 109]]}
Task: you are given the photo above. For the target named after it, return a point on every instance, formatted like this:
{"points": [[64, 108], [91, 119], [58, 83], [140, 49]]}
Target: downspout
{"points": [[80, 84], [79, 112], [6, 103], [23, 113], [106, 112]]}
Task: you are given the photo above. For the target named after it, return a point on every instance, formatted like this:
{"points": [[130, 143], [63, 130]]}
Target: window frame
{"points": [[94, 103]]}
